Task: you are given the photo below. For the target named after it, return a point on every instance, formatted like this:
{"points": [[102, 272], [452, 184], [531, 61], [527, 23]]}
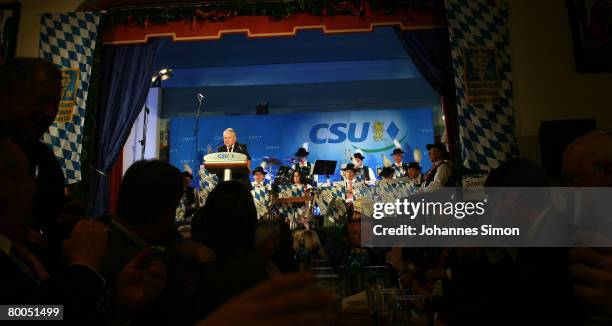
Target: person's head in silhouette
{"points": [[148, 196], [30, 91], [227, 222]]}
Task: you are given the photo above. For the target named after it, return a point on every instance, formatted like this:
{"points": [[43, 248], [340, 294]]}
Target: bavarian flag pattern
{"points": [[389, 192], [292, 212], [486, 130], [261, 197], [362, 189], [327, 194], [208, 181], [68, 40]]}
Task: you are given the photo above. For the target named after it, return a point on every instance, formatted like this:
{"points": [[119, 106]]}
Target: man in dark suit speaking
{"points": [[230, 145]]}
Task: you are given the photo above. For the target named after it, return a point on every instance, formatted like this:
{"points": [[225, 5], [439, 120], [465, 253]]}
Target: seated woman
{"points": [[300, 179], [311, 243], [299, 209]]}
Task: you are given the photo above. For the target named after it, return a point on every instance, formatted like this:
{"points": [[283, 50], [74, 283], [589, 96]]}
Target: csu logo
{"points": [[379, 128], [356, 133]]}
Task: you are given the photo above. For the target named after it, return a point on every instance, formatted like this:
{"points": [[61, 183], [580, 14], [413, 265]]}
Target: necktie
{"points": [[230, 148]]}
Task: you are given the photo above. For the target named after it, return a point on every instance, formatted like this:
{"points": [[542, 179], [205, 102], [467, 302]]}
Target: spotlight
{"points": [[160, 76], [165, 73]]}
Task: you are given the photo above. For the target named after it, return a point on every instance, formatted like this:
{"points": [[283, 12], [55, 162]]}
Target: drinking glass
{"points": [[414, 309], [345, 280], [383, 304], [376, 277], [321, 263], [322, 270], [331, 282]]}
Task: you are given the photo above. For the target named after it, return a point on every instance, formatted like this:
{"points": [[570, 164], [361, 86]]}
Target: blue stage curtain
{"points": [[126, 79], [430, 52]]}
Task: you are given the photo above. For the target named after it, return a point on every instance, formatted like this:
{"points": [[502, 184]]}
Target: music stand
{"points": [[324, 167]]}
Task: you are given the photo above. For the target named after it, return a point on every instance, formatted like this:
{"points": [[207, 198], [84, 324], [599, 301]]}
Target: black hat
{"points": [[359, 156], [397, 151], [386, 172], [437, 145], [301, 152], [349, 167], [259, 169], [414, 165], [186, 174], [282, 170]]}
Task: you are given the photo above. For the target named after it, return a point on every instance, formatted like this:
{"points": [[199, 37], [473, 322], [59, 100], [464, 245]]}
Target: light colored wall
{"points": [[546, 85], [29, 25], [132, 150]]}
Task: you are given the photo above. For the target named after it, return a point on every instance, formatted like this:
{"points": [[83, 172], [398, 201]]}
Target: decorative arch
{"points": [[210, 20]]}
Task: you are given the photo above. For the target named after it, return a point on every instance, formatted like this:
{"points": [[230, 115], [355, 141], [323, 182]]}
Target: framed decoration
{"points": [[70, 87], [591, 22], [480, 74], [9, 23]]}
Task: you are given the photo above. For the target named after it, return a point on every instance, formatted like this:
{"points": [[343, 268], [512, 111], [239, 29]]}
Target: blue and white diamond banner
{"points": [[327, 194], [389, 192], [486, 130], [261, 197], [68, 40], [336, 213], [290, 191], [208, 182], [362, 189]]}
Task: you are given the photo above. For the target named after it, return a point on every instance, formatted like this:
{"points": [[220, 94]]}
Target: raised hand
{"points": [[140, 283], [194, 251], [594, 267], [87, 244]]}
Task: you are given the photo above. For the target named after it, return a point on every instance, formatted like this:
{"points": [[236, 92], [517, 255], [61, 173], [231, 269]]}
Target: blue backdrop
{"points": [[330, 135]]}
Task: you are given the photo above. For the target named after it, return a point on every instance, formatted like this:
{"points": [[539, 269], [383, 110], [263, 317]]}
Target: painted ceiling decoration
{"points": [[211, 20]]}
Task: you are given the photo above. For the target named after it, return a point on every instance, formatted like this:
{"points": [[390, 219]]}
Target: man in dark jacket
{"points": [[231, 146], [23, 277], [30, 92]]}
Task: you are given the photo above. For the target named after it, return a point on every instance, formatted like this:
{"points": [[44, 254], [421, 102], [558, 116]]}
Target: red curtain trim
{"points": [[115, 177], [262, 26]]}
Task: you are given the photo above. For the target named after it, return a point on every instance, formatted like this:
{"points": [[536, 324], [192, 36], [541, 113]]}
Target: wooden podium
{"points": [[226, 163]]}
